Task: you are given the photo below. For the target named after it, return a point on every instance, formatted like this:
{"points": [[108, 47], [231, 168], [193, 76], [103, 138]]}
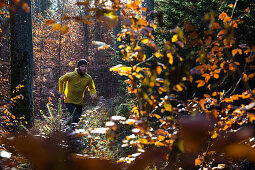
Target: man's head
{"points": [[82, 66]]}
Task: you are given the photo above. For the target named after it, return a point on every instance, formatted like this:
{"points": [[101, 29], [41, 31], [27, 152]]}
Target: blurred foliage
{"points": [[189, 75]]}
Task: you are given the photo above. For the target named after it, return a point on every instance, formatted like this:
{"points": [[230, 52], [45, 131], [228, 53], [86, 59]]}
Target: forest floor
{"points": [[90, 135]]}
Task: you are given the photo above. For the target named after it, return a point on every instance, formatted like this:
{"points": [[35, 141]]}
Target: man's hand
{"points": [[62, 96], [93, 96]]}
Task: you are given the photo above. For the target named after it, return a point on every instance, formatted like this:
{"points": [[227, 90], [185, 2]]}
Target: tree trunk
{"points": [[149, 14], [149, 4], [21, 63], [116, 31]]}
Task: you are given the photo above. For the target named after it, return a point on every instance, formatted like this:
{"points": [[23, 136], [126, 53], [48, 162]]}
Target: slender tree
{"points": [[21, 62]]}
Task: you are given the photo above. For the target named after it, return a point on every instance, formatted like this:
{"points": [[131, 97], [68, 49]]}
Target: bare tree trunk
{"points": [[116, 31], [22, 63], [149, 4]]}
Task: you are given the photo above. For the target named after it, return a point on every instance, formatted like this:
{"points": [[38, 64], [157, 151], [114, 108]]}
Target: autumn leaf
{"points": [[64, 29], [207, 77], [214, 135], [194, 35], [200, 83], [168, 107], [158, 69], [170, 57], [215, 25], [175, 38], [157, 116], [188, 26], [49, 22], [56, 26], [235, 51], [231, 5], [178, 87], [251, 75], [223, 15], [158, 54], [216, 76], [198, 161], [251, 117], [245, 77]]}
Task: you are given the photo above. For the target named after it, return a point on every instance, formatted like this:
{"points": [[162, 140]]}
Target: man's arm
{"points": [[92, 89], [62, 81]]}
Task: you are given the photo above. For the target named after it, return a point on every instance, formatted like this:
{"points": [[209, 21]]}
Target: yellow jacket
{"points": [[76, 86]]}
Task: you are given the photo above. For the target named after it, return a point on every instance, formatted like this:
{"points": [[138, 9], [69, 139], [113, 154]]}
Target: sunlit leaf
{"points": [[231, 5], [64, 29], [168, 107], [200, 83], [175, 38], [56, 26], [251, 117], [49, 22], [170, 57]]}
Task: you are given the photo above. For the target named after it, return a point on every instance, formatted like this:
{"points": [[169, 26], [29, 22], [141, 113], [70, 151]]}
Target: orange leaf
{"points": [[251, 75], [216, 76], [231, 5], [215, 25], [234, 52], [200, 83], [194, 35], [188, 26], [178, 87], [221, 32], [207, 96], [245, 78], [207, 77], [64, 29], [223, 15], [56, 26], [251, 117], [49, 22], [158, 69], [169, 55]]}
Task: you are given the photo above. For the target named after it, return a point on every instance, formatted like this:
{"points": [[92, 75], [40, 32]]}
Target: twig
{"points": [[234, 9]]}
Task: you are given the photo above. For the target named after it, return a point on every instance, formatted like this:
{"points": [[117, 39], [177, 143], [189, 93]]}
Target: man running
{"points": [[73, 92]]}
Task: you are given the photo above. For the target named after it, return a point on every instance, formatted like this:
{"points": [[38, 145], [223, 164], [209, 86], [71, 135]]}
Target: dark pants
{"points": [[75, 111]]}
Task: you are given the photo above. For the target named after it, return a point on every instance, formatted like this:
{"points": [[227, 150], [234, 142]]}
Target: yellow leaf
{"points": [[198, 161], [56, 26], [168, 107], [145, 41], [157, 116], [178, 87], [175, 38], [159, 144], [161, 138], [214, 135], [154, 26], [64, 29], [143, 141], [169, 55], [158, 54]]}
